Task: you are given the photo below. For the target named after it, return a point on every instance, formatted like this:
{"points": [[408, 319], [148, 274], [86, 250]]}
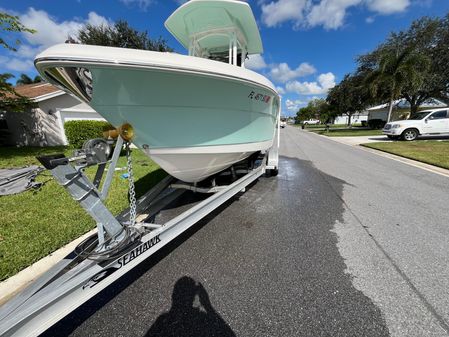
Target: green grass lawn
{"points": [[35, 223], [427, 151], [354, 132]]}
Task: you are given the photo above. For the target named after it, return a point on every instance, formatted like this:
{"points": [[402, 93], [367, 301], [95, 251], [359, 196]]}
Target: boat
{"points": [[194, 115]]}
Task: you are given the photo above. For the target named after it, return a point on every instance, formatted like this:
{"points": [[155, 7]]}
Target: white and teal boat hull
{"points": [[192, 116]]}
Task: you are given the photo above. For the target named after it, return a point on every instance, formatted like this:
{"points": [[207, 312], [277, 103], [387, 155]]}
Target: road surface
{"points": [[342, 243]]}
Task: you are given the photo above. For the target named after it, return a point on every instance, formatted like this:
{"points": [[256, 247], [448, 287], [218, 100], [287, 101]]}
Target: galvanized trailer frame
{"points": [[77, 278]]}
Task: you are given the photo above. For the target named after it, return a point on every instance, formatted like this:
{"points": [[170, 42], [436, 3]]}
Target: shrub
{"points": [[78, 131], [376, 123], [363, 123]]}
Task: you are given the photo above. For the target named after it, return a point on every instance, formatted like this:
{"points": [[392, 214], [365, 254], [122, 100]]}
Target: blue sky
{"points": [[308, 44]]}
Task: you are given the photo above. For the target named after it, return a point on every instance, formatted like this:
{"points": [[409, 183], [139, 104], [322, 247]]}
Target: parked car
{"points": [[283, 124], [311, 122], [427, 122]]}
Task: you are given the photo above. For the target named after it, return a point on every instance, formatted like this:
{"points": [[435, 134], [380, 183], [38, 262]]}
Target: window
{"points": [[438, 115], [419, 115]]}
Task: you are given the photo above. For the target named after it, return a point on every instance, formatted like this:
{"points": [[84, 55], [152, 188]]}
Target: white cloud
{"points": [[48, 32], [184, 1], [142, 4], [27, 51], [330, 14], [327, 80], [370, 19], [282, 72], [276, 12], [16, 64], [388, 6], [320, 87], [255, 62], [294, 105], [280, 90], [98, 20]]}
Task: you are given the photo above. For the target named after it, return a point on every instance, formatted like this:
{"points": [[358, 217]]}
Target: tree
{"points": [[10, 23], [424, 47], [429, 37], [25, 79], [349, 97], [439, 84], [315, 109], [9, 98], [120, 35], [398, 70], [304, 114]]}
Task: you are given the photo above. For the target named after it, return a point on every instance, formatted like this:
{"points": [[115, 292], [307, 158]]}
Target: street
{"points": [[342, 242]]}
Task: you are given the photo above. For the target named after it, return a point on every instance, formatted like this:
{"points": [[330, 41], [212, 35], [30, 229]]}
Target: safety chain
{"points": [[132, 192]]}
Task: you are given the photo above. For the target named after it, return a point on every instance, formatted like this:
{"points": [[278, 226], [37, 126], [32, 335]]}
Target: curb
{"points": [[12, 285]]}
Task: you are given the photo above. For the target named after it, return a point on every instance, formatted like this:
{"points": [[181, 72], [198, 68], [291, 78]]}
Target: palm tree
{"points": [[397, 69], [25, 79]]}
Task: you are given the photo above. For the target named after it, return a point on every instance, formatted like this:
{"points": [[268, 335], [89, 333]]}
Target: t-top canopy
{"points": [[198, 17]]}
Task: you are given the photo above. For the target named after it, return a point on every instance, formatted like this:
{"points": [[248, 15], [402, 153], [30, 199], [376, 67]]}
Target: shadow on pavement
{"points": [[185, 319]]}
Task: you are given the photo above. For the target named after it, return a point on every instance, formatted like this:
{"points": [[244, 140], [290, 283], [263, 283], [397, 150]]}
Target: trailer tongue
{"points": [[121, 242]]}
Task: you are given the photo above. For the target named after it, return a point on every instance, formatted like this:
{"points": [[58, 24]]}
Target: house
{"points": [[44, 125], [355, 118], [401, 109]]}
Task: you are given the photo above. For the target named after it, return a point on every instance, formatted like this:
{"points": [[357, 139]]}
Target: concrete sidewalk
{"points": [[361, 139]]}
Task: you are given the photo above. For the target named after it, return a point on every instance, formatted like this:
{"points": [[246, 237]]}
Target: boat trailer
{"points": [[121, 243]]}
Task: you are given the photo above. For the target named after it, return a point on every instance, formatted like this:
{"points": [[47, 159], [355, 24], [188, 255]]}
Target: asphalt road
{"points": [[342, 243]]}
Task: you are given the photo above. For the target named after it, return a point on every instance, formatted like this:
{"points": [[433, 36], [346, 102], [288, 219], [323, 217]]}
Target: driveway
{"points": [[361, 139]]}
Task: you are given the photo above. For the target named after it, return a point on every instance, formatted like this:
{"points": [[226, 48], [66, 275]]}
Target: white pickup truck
{"points": [[428, 122], [311, 122]]}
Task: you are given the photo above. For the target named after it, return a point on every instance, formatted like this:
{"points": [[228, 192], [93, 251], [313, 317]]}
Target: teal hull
{"points": [[170, 109]]}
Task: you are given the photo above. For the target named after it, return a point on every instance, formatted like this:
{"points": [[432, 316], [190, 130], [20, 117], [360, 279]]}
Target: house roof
{"points": [[402, 103], [38, 91]]}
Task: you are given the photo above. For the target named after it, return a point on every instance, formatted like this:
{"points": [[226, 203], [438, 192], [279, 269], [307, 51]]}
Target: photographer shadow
{"points": [[184, 319]]}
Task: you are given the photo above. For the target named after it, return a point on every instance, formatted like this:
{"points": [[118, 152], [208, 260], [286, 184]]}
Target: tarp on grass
{"points": [[17, 180]]}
